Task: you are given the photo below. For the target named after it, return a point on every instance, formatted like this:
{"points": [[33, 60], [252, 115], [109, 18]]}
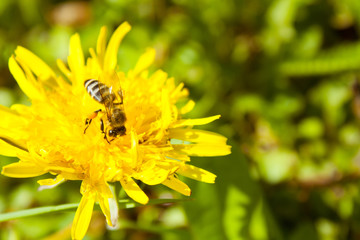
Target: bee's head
{"points": [[117, 131]]}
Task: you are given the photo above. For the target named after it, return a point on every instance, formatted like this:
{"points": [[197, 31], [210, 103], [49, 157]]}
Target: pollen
{"points": [[53, 135]]}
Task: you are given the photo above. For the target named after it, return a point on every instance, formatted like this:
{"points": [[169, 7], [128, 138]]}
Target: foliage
{"points": [[283, 75]]}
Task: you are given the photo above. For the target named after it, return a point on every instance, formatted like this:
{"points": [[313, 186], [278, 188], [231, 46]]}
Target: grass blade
{"points": [[123, 204]]}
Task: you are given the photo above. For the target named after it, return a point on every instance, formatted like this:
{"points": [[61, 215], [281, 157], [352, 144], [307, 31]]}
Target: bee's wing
{"points": [[115, 82], [105, 93], [110, 105], [120, 95]]}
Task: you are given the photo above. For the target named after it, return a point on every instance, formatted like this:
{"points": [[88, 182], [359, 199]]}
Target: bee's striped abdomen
{"points": [[99, 91]]}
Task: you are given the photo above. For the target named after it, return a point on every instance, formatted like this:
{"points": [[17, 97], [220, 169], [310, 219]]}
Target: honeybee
{"points": [[114, 109]]}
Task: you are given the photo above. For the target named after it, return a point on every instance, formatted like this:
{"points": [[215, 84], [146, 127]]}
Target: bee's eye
{"points": [[112, 133], [117, 131]]}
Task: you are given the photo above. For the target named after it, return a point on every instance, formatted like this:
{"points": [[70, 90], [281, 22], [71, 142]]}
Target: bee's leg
{"points": [[90, 118], [103, 130], [87, 123], [102, 126]]}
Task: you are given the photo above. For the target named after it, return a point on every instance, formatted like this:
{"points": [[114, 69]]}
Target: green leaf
{"points": [[338, 59], [204, 214], [235, 212], [258, 226], [305, 230], [247, 215], [228, 209]]}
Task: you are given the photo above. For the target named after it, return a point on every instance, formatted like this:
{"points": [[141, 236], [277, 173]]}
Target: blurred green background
{"points": [[283, 75]]}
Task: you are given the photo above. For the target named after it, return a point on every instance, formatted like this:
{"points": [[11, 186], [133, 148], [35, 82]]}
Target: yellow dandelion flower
{"points": [[48, 136]]}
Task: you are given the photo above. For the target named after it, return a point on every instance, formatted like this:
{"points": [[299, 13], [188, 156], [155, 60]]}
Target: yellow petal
{"points": [[134, 149], [69, 175], [177, 93], [144, 61], [177, 185], [24, 83], [197, 173], [114, 208], [22, 170], [104, 205], [11, 127], [166, 109], [197, 121], [154, 176], [133, 190], [50, 182], [76, 57], [60, 169], [62, 83], [93, 63], [178, 156], [158, 78], [195, 135], [101, 44], [12, 124], [63, 68], [104, 194], [111, 53], [38, 66], [23, 109], [8, 149], [188, 107], [18, 143], [203, 149], [8, 111], [82, 217]]}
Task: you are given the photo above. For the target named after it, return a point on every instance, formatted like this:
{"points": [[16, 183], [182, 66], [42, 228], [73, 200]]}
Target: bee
{"points": [[114, 109]]}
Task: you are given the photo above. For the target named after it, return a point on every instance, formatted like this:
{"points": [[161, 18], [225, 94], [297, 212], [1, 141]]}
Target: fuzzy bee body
{"points": [[99, 92], [113, 103]]}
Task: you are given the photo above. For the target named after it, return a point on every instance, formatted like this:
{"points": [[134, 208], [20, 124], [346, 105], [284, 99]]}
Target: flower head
{"points": [[48, 136]]}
